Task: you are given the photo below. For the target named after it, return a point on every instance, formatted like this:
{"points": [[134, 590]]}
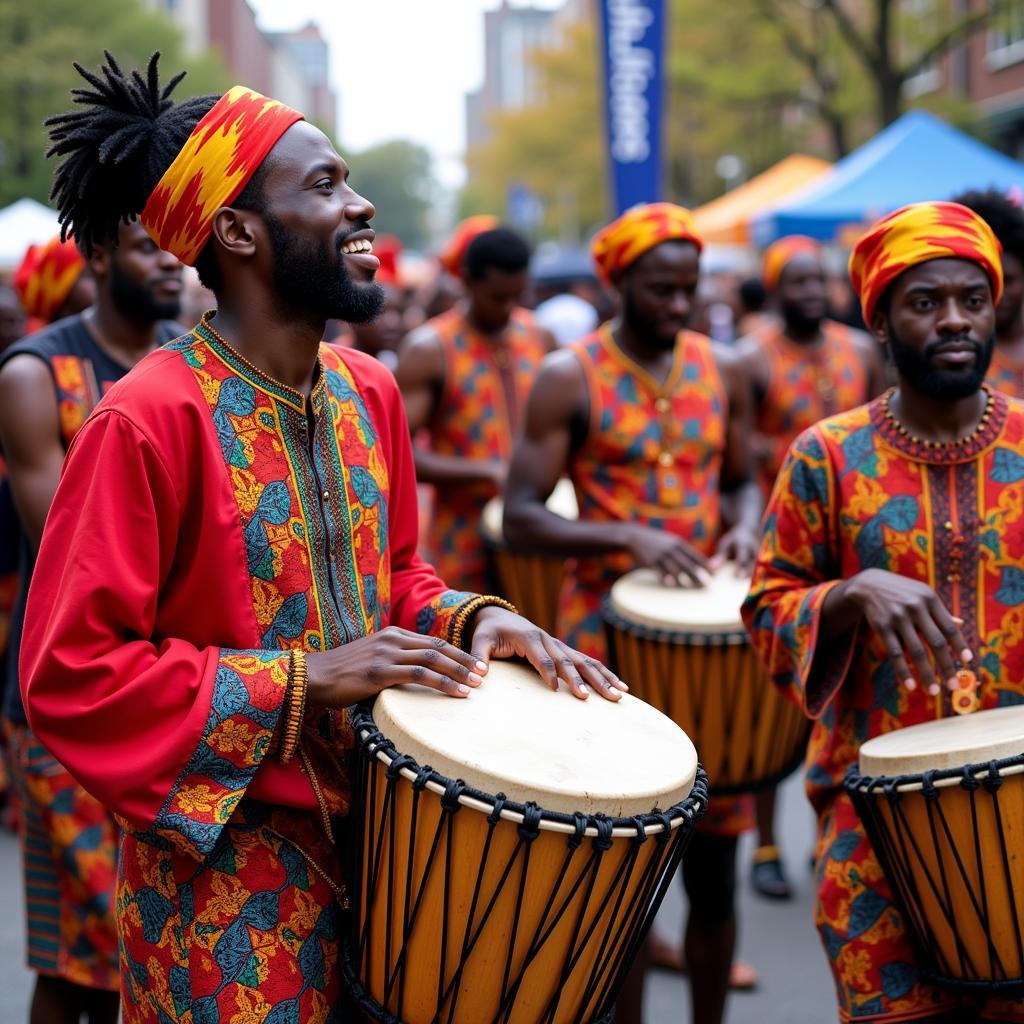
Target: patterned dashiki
{"points": [[208, 521], [476, 418], [856, 493], [806, 384], [1006, 374], [653, 454], [68, 839]]}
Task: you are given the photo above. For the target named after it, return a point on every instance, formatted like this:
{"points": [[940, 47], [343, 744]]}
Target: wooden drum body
{"points": [[943, 806], [685, 652], [531, 581], [472, 907]]}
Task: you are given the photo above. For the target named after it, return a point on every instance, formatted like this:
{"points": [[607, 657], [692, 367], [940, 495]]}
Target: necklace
{"points": [[939, 445]]}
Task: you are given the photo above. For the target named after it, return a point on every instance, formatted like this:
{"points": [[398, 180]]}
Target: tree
{"points": [[892, 42], [398, 178], [40, 39]]}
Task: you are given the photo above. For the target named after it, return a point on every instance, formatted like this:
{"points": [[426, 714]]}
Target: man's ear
{"points": [[99, 261], [235, 230], [880, 327]]}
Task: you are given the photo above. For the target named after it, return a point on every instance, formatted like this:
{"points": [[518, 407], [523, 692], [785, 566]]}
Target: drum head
{"points": [[946, 743], [513, 735], [640, 597], [562, 502]]}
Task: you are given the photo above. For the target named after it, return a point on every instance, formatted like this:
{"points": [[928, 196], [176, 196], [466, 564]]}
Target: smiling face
{"points": [[659, 290], [314, 232], [940, 325]]}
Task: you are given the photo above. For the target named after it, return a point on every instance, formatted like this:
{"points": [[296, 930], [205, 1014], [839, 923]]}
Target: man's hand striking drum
{"points": [[909, 619], [362, 668]]}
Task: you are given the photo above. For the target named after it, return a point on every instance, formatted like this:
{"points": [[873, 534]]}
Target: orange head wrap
{"points": [[454, 251], [916, 234], [215, 164], [778, 255], [46, 276], [627, 238]]}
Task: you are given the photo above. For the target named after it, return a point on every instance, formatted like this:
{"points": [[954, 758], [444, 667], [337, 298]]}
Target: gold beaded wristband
{"points": [[470, 608], [296, 710]]}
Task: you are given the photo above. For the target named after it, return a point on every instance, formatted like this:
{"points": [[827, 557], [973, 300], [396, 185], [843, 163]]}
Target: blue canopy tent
{"points": [[916, 158]]}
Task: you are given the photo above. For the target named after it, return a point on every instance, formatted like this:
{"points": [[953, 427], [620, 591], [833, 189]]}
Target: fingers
{"points": [[443, 659], [939, 644], [911, 643], [950, 626], [592, 675], [530, 644], [894, 650], [423, 676], [680, 566]]}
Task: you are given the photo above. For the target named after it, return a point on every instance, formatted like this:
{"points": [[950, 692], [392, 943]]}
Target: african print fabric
{"points": [[806, 384], [627, 238], [653, 455], [476, 418], [1006, 374], [236, 520], [69, 853], [857, 494]]}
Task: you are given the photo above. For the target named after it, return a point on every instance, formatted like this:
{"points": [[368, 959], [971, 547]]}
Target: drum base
{"points": [[371, 1010]]}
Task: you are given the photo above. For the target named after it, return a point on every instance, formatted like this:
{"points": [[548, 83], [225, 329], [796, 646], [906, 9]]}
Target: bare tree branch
{"points": [[846, 25], [790, 36], [965, 27]]}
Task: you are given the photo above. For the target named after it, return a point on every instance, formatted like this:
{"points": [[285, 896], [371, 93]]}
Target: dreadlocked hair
{"points": [[117, 149]]}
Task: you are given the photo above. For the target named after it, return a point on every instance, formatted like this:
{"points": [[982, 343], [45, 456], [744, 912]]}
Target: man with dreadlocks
{"points": [[230, 558]]}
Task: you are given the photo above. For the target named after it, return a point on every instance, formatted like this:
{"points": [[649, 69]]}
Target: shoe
{"points": [[665, 955], [767, 875]]}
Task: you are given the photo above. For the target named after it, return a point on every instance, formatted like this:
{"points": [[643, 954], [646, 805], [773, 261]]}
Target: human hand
{"points": [[675, 561]]}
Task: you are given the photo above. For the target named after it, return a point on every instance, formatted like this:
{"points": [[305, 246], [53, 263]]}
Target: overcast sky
{"points": [[400, 67]]}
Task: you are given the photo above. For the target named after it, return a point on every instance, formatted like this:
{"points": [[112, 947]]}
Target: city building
{"points": [[290, 66], [510, 34]]}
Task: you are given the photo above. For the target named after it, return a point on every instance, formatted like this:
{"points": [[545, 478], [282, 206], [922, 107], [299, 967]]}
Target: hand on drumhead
{"points": [[911, 622], [739, 545], [362, 668], [676, 562], [499, 633]]}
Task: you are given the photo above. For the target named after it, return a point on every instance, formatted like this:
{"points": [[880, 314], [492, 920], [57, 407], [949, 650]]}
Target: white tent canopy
{"points": [[21, 224]]}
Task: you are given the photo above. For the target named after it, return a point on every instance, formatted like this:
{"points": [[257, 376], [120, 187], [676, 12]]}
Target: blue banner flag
{"points": [[633, 34]]}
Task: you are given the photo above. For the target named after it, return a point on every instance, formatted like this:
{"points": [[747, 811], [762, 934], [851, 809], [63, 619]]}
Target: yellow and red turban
{"points": [[215, 164], [46, 276], [638, 230], [779, 254], [455, 248], [916, 234]]}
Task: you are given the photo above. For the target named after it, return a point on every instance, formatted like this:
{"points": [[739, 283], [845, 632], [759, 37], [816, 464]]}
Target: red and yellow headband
{"points": [[215, 164], [638, 230], [46, 276], [916, 234], [455, 248], [778, 256]]}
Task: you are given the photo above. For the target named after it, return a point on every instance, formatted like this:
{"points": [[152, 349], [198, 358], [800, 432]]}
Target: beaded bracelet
{"points": [[296, 710], [470, 608]]}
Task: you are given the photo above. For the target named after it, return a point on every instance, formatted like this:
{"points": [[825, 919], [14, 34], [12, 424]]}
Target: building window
{"points": [[928, 77], [1006, 37]]}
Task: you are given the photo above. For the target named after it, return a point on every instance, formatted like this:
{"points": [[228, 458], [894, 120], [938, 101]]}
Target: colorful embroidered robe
{"points": [[805, 385], [476, 418], [653, 454], [856, 494], [208, 521]]}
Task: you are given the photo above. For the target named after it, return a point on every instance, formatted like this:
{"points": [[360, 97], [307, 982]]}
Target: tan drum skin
{"points": [[532, 582], [512, 735], [685, 651], [955, 859]]}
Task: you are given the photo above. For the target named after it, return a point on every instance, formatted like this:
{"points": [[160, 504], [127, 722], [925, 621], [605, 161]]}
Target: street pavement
{"points": [[777, 938]]}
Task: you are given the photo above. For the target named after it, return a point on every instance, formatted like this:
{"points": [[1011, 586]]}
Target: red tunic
{"points": [[805, 384], [476, 418], [1006, 374]]}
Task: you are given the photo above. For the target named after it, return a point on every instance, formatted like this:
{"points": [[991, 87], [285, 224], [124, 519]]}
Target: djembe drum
{"points": [[943, 806], [531, 581], [684, 650], [514, 879]]}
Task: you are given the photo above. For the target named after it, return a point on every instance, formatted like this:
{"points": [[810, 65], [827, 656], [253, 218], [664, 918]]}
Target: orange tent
{"points": [[724, 220]]}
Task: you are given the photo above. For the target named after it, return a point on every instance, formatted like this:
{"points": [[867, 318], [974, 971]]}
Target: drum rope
{"points": [[905, 855], [624, 907]]}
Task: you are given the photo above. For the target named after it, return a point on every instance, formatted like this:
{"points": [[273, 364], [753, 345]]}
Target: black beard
{"points": [[136, 301], [795, 318], [916, 367], [644, 327], [312, 284]]}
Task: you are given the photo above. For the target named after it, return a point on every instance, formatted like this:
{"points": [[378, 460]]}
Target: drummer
{"points": [[650, 422], [890, 561]]}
